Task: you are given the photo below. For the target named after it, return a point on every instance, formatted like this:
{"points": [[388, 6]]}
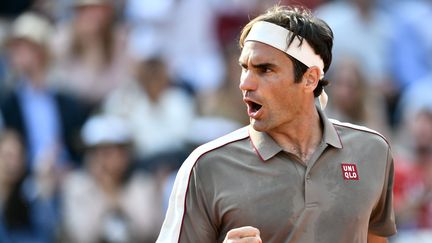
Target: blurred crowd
{"points": [[101, 101]]}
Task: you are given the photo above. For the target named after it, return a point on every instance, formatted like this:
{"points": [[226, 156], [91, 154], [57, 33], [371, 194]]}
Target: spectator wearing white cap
{"points": [[47, 119], [106, 201]]}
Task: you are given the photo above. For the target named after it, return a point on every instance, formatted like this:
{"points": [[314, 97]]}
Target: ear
{"points": [[311, 78]]}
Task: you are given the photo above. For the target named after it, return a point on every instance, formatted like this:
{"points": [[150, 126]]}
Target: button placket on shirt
{"points": [[311, 188], [309, 191]]}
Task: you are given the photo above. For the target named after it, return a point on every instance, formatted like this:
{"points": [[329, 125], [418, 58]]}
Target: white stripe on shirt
{"points": [[170, 232]]}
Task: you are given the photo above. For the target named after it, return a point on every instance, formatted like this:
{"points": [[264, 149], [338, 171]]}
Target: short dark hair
{"points": [[304, 25]]}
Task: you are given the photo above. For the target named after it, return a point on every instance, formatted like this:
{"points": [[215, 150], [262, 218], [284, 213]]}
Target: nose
{"points": [[248, 81]]}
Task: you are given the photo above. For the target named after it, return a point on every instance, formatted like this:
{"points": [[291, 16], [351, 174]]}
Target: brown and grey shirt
{"points": [[245, 178]]}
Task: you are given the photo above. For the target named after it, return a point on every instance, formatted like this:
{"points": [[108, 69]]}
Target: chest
{"points": [[282, 196]]}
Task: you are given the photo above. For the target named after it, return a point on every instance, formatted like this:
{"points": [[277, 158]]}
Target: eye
{"points": [[244, 68], [265, 69]]}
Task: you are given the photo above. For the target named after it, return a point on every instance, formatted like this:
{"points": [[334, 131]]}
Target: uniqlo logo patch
{"points": [[349, 172]]}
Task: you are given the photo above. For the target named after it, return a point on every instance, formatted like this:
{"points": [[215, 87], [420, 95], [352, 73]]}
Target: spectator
{"points": [[414, 98], [105, 201], [158, 113], [183, 32], [411, 43], [413, 191], [351, 98], [28, 212], [226, 102], [362, 30], [48, 120], [90, 56]]}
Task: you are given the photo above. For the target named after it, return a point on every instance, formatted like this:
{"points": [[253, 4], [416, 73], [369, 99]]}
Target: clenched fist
{"points": [[247, 234]]}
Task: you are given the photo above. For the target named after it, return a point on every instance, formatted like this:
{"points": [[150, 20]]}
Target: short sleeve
{"points": [[382, 220], [197, 223], [188, 218]]}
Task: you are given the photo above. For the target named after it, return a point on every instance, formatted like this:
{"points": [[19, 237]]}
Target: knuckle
{"points": [[231, 233]]}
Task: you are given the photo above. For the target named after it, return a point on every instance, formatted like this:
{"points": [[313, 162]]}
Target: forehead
{"points": [[257, 52]]}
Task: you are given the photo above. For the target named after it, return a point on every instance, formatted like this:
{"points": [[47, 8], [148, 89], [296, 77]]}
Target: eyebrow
{"points": [[259, 65]]}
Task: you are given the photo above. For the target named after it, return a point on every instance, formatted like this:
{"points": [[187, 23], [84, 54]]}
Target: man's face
{"points": [[272, 97], [25, 55]]}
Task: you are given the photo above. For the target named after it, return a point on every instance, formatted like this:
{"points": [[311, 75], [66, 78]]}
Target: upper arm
{"points": [[188, 218], [382, 219], [197, 223]]}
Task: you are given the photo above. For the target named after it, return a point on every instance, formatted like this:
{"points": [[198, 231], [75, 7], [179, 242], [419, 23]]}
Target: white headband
{"points": [[278, 37]]}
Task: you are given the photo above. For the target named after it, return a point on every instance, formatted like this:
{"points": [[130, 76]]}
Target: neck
{"points": [[301, 136]]}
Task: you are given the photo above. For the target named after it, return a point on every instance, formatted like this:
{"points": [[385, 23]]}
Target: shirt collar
{"points": [[266, 147]]}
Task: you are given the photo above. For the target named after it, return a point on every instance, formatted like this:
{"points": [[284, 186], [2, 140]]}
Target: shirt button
{"points": [[308, 177]]}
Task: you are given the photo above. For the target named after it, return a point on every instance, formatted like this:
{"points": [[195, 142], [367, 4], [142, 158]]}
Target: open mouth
{"points": [[253, 107]]}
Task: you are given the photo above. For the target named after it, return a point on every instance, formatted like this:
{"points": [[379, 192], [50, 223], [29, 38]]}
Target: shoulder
{"points": [[67, 100], [130, 89], [9, 97], [185, 184], [220, 143], [125, 96], [175, 94], [141, 180], [11, 111], [214, 148], [358, 134]]}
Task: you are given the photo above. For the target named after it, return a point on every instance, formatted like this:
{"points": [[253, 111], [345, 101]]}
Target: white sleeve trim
{"points": [[170, 231]]}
